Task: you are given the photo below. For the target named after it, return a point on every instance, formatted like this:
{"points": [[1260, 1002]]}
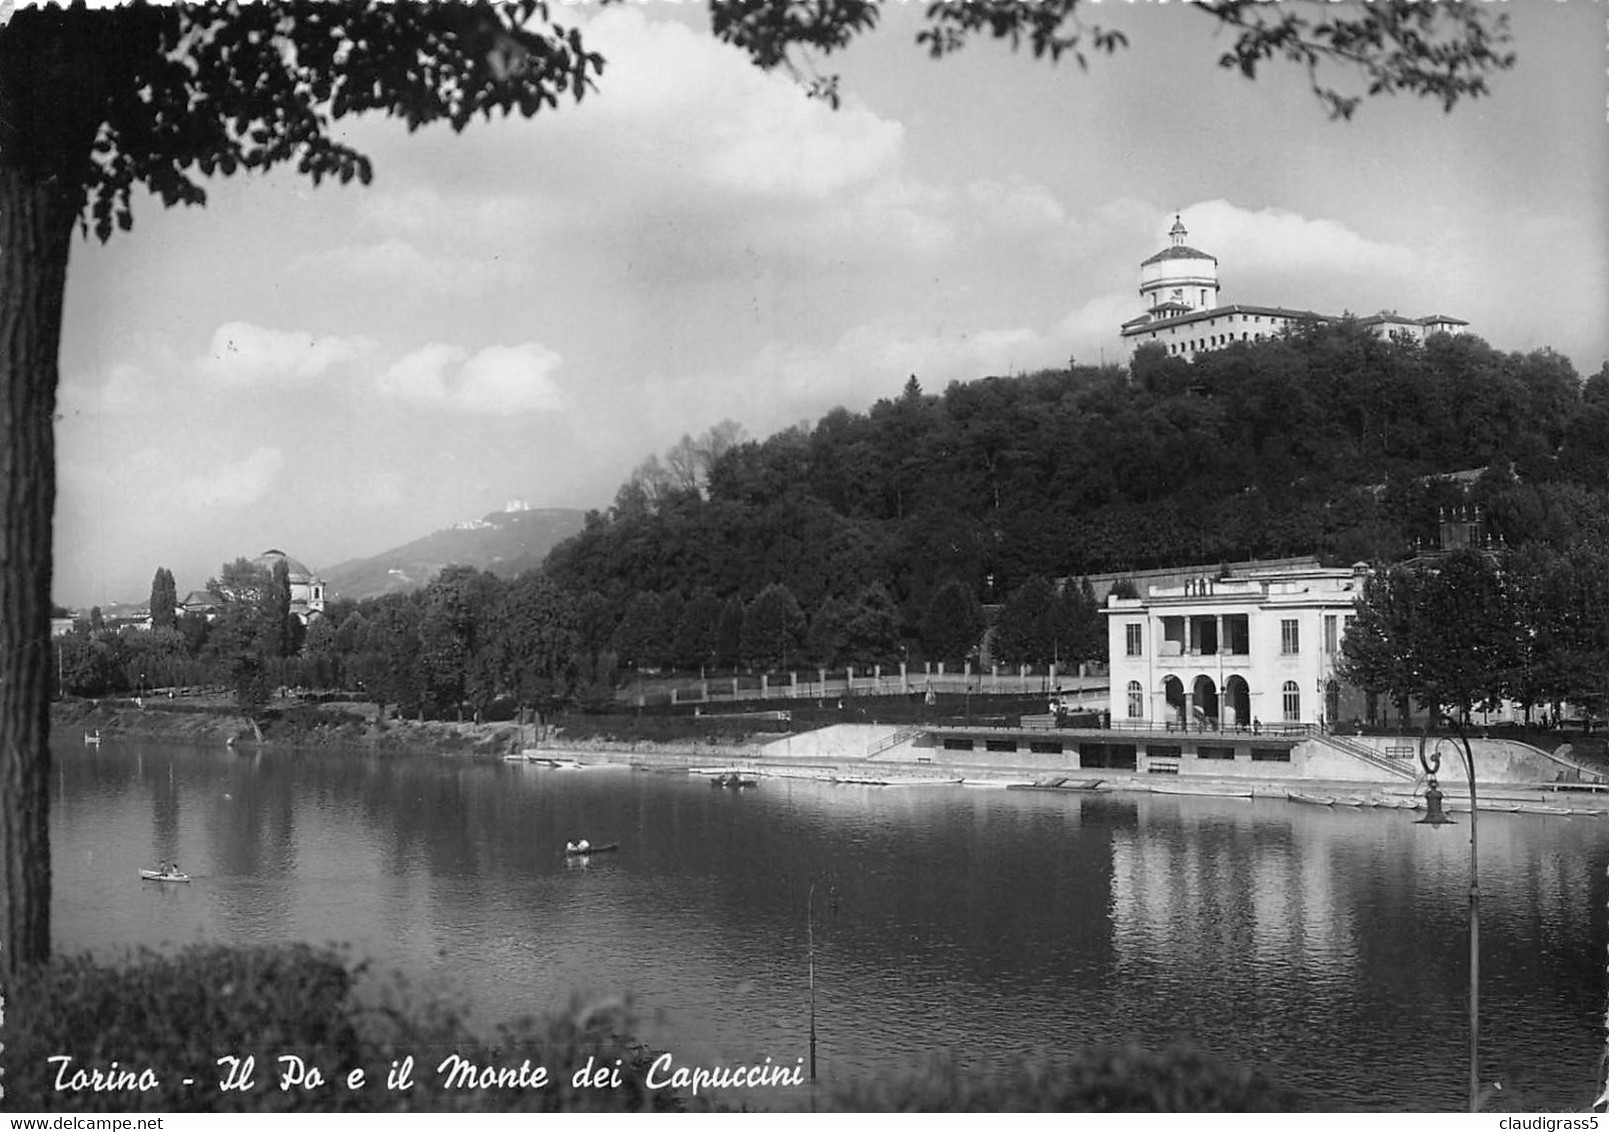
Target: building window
{"points": [[1293, 702], [1270, 754], [1225, 753], [1330, 638], [1136, 700], [1131, 635], [1290, 637]]}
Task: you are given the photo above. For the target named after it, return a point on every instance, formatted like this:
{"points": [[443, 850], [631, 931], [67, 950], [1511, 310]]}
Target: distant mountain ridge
{"points": [[505, 543]]}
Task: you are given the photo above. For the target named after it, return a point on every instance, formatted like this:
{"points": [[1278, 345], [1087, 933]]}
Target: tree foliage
{"points": [[165, 95], [1445, 52], [1466, 630], [164, 599], [953, 624]]}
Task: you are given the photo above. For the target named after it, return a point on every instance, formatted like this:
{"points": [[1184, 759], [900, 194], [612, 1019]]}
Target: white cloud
{"points": [[696, 110], [242, 354], [1273, 241], [496, 381], [1090, 333]]}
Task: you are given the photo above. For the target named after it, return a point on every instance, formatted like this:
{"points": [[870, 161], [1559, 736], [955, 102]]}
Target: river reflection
{"points": [[1328, 946]]}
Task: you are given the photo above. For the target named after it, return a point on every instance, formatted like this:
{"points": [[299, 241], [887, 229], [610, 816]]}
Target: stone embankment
{"points": [[867, 754]]}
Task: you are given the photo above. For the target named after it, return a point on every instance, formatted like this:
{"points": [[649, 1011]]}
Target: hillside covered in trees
{"points": [[1333, 442]]}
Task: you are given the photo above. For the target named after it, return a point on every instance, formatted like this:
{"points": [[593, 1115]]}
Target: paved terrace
{"points": [[1295, 754]]}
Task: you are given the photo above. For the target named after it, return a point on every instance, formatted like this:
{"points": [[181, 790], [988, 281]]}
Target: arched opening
{"points": [[1205, 695], [1136, 700], [1173, 694], [1237, 702]]}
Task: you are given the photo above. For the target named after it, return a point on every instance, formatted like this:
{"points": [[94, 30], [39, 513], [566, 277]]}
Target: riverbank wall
{"points": [[869, 751]]}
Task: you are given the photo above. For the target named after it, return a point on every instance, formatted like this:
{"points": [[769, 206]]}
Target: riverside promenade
{"points": [[1508, 773]]}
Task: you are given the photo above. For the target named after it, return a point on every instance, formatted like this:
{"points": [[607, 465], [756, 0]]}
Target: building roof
{"points": [[1102, 584], [297, 571], [1178, 251], [1387, 316], [1149, 323]]}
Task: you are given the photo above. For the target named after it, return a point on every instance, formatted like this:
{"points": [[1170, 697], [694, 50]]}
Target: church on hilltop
{"points": [[1179, 286]]}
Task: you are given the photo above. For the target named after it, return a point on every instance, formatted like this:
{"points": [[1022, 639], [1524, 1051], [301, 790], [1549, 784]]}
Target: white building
{"points": [[1254, 648], [1180, 287]]}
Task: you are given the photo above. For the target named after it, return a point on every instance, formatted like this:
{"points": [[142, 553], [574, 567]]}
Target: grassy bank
{"points": [[335, 726], [286, 723]]}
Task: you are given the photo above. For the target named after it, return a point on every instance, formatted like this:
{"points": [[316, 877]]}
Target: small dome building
{"points": [[307, 588], [1179, 279]]}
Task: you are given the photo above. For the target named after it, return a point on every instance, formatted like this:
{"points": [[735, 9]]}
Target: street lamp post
{"points": [[810, 940], [1434, 817]]}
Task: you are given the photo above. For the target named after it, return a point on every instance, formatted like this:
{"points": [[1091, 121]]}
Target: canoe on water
{"points": [[591, 849], [171, 878]]}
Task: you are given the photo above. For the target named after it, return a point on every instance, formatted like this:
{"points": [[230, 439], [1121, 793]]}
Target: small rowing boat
{"points": [[171, 878], [577, 851], [734, 781], [1310, 799], [1061, 785], [1203, 790]]}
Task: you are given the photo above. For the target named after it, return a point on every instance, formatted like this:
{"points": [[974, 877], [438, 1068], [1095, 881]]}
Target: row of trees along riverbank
{"points": [[1461, 632], [470, 639]]}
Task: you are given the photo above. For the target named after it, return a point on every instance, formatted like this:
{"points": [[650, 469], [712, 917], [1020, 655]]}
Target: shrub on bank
{"points": [[176, 1015]]}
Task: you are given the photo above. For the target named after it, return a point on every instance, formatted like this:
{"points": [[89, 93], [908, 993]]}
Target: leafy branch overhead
{"points": [[1439, 50], [173, 92], [1442, 51]]}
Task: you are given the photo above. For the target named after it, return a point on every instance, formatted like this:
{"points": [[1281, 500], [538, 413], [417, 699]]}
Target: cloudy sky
{"points": [[530, 308]]}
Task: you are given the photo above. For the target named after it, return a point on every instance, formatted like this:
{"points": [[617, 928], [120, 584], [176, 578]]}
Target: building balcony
{"points": [[1196, 658]]}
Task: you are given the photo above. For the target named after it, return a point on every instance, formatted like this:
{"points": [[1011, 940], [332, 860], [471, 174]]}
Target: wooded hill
{"points": [[1331, 441]]}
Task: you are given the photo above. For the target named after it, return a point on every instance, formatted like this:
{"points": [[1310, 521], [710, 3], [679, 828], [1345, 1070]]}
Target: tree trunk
{"points": [[36, 223]]}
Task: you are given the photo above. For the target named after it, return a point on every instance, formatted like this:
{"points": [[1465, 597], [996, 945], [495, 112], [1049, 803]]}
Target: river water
{"points": [[1329, 947]]}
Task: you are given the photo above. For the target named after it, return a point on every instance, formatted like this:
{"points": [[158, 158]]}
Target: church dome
{"points": [[298, 572], [1178, 251], [1179, 278]]}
